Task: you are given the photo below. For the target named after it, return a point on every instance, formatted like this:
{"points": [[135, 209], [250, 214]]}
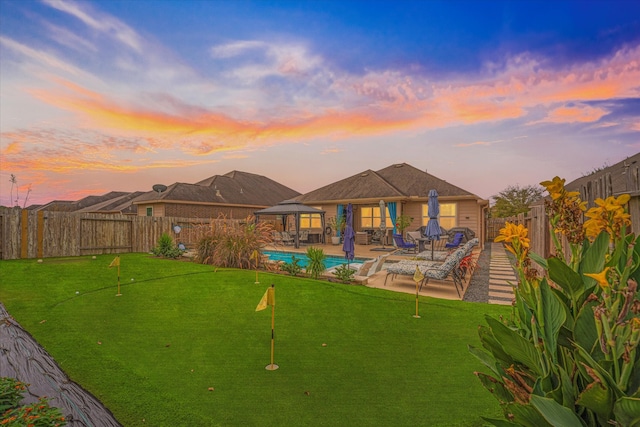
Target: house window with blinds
{"points": [[448, 215], [370, 217], [310, 220]]}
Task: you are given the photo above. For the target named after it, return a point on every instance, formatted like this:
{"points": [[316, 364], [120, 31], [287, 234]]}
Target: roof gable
{"points": [[233, 188], [395, 181]]}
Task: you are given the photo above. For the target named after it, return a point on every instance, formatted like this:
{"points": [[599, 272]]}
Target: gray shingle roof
{"points": [[233, 188], [395, 181]]}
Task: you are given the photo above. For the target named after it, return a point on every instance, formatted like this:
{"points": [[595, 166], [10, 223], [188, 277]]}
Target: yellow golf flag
{"points": [[269, 298], [115, 262], [418, 276]]}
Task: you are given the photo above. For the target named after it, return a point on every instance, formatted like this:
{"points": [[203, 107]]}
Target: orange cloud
{"points": [[582, 114]]}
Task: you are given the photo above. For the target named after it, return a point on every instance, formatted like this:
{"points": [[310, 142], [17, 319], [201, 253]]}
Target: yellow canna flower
{"points": [[601, 277], [555, 187]]}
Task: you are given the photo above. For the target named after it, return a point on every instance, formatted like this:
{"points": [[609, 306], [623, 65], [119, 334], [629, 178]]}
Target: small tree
{"points": [[515, 200], [402, 222]]}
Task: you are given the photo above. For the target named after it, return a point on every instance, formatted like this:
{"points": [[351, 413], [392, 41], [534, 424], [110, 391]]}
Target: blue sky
{"points": [[120, 95]]}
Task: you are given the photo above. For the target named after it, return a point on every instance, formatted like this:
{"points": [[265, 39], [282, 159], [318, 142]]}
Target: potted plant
{"points": [[336, 223], [402, 222]]}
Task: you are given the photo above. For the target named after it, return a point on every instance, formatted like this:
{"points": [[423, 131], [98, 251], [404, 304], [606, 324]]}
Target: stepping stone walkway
{"points": [[501, 276]]}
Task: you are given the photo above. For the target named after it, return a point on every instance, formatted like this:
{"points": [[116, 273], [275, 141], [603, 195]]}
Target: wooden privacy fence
{"points": [[38, 234], [536, 222]]}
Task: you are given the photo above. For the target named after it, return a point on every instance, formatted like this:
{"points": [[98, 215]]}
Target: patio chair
{"points": [[287, 239], [457, 240], [401, 244], [304, 236]]}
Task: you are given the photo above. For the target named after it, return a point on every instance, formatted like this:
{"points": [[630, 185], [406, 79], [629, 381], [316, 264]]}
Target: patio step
{"points": [[501, 276]]}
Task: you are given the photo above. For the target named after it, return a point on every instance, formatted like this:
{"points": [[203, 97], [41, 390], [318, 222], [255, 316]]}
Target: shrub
{"points": [[233, 243], [166, 247], [344, 273], [293, 268], [568, 354], [36, 414], [316, 265]]}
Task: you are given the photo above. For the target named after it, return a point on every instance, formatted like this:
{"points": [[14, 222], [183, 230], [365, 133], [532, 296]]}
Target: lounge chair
{"points": [[457, 240], [401, 244]]}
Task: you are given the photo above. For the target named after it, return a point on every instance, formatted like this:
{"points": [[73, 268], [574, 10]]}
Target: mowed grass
{"points": [[184, 346]]}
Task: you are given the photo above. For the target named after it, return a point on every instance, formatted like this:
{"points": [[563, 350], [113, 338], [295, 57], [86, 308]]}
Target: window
{"points": [[150, 211], [370, 217], [448, 215], [310, 220]]}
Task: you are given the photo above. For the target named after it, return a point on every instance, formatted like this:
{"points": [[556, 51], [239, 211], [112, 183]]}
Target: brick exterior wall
{"points": [[204, 211]]}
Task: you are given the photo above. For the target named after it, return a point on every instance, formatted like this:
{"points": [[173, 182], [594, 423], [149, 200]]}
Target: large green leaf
{"points": [[597, 397], [583, 356], [496, 388], [570, 281], [554, 413], [516, 346], [553, 318], [499, 423], [538, 260], [527, 415], [627, 411], [489, 342], [633, 385], [585, 332], [593, 258], [487, 359], [523, 316]]}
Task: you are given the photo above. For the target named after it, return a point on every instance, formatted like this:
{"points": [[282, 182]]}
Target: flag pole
{"points": [[272, 366], [417, 316], [417, 277], [118, 294]]}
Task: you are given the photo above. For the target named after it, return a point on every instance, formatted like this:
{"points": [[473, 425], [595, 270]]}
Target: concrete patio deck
{"points": [[435, 288]]}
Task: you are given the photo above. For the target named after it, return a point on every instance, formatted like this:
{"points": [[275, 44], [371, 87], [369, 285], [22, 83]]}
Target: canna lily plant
{"points": [[568, 355]]}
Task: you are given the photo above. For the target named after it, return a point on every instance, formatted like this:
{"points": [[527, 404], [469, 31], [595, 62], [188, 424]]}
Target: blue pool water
{"points": [[330, 261]]}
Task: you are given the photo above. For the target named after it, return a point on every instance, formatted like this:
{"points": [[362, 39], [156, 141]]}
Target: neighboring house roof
{"points": [[622, 177], [234, 188], [120, 204], [57, 206], [399, 181], [94, 204]]}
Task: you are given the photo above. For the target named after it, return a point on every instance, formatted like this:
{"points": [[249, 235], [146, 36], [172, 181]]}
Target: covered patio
{"points": [[294, 209]]}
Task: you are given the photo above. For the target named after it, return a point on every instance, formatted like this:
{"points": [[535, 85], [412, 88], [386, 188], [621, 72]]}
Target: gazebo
{"points": [[295, 208]]}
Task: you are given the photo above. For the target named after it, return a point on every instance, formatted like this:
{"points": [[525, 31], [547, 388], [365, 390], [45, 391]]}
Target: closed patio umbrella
{"points": [[383, 221], [432, 231], [348, 246]]}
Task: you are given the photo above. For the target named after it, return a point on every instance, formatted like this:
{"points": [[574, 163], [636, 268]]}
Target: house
{"points": [[404, 190], [620, 178], [233, 195]]}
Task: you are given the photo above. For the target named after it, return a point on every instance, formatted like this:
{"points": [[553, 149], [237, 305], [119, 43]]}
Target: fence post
{"points": [[40, 234], [24, 235]]}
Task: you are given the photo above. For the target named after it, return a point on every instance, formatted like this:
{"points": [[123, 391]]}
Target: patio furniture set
{"points": [[455, 265]]}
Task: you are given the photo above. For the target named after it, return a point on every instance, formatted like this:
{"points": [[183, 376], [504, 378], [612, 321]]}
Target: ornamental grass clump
{"points": [[568, 355], [233, 243]]}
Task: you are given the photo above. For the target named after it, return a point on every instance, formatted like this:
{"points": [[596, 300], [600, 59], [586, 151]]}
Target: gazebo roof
{"points": [[289, 207]]}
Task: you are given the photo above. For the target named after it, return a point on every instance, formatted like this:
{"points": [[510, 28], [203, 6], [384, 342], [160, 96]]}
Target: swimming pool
{"points": [[330, 261]]}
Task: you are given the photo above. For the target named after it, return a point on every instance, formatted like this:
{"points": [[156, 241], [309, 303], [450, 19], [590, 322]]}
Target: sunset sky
{"points": [[119, 95]]}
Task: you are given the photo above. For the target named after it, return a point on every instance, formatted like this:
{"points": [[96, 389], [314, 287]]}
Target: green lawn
{"points": [[179, 328]]}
